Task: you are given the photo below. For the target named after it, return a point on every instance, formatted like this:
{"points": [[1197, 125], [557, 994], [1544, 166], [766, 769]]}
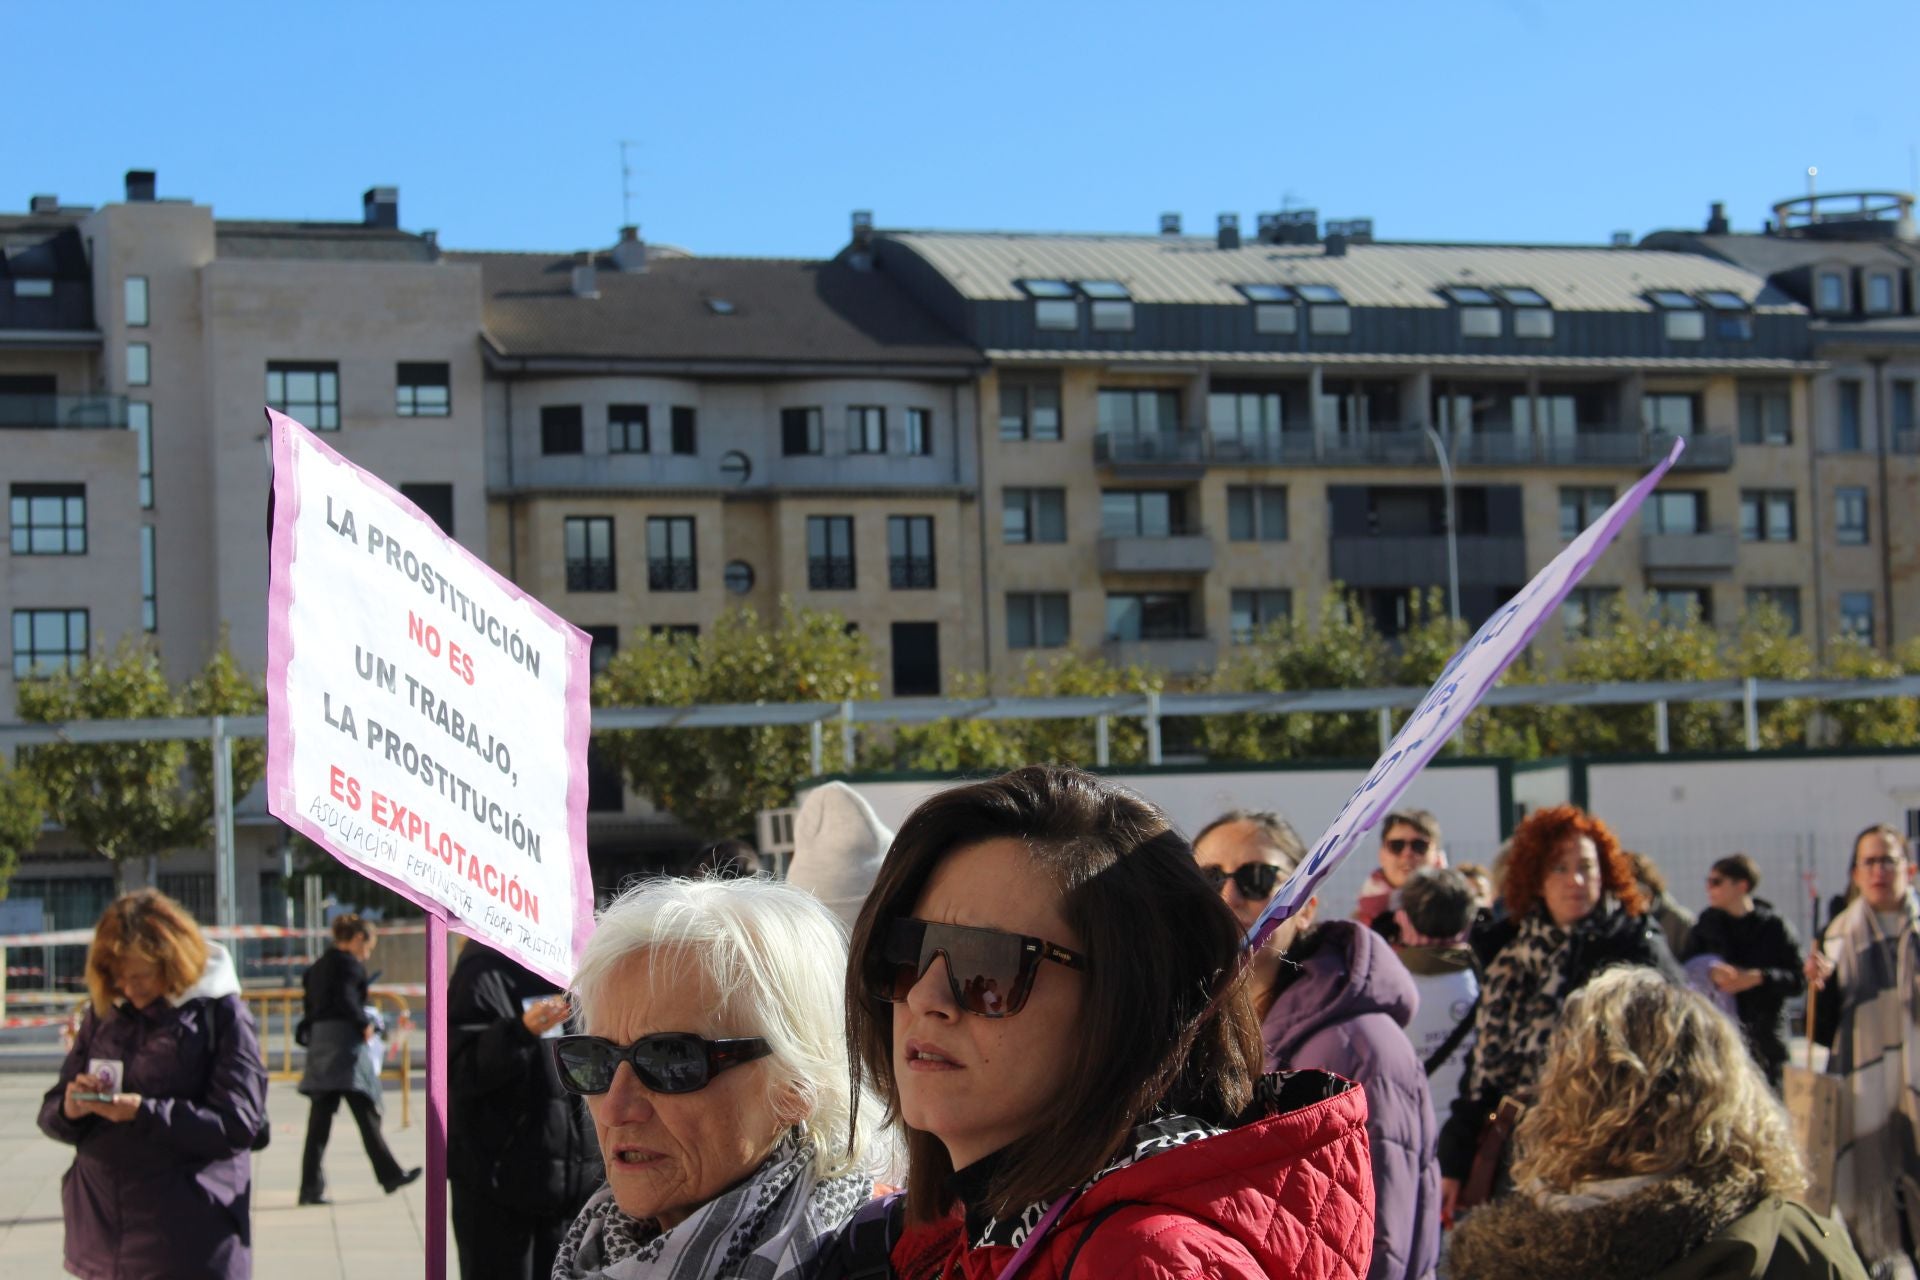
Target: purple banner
{"points": [[1469, 675]]}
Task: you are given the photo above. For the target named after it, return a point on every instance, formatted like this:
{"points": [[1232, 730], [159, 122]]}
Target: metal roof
{"points": [[983, 266]]}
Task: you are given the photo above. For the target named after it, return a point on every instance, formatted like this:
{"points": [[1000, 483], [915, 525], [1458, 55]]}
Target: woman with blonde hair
{"points": [[1656, 1149], [163, 1095]]}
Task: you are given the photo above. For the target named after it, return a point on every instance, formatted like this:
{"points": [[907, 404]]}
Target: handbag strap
{"points": [[1452, 1042]]}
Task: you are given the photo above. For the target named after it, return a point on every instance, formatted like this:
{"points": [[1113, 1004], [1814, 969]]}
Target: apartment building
{"points": [[1187, 437], [1852, 259]]}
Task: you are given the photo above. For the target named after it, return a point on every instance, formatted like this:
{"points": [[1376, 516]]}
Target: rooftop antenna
{"points": [[626, 184], [1813, 171]]}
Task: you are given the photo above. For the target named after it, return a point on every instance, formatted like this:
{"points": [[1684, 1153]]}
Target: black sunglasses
{"points": [[1419, 846], [667, 1062], [1255, 880], [989, 972]]}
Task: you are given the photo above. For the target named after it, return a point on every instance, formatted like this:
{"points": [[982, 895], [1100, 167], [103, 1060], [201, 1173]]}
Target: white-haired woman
{"points": [[715, 1067], [1656, 1150]]}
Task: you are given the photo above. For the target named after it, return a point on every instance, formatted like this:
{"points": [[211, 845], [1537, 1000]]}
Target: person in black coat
{"points": [[522, 1155], [1760, 958]]}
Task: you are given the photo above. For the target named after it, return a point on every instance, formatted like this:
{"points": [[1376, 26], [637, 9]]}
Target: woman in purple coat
{"points": [[164, 1095]]}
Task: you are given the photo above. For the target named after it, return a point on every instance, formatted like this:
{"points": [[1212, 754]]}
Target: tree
{"points": [[1767, 649], [716, 780], [1338, 649], [23, 811], [223, 689], [1640, 642], [1872, 722]]}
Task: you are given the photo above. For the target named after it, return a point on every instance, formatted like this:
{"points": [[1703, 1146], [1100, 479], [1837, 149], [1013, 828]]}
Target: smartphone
{"points": [[94, 1097]]}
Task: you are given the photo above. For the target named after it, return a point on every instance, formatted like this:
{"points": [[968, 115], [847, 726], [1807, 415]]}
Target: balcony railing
{"points": [[1185, 550], [672, 575], [1599, 445], [48, 413], [1689, 555], [590, 575], [1158, 449], [906, 574], [830, 574], [1413, 560], [1181, 654]]}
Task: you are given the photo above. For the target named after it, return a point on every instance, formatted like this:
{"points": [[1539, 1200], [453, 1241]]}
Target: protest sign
{"points": [[426, 720], [1466, 680]]}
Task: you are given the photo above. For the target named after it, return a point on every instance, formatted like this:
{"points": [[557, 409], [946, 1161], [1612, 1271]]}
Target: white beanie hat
{"points": [[838, 845]]}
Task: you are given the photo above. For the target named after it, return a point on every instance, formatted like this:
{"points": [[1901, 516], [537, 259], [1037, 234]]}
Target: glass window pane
{"points": [[1050, 314], [1240, 526], [1047, 288], [1119, 514], [1276, 318], [1052, 522], [1532, 322], [138, 374], [50, 631], [136, 288], [1686, 326], [1105, 290], [1019, 622], [1123, 617], [1045, 404], [1273, 515], [1332, 321], [1053, 619]]}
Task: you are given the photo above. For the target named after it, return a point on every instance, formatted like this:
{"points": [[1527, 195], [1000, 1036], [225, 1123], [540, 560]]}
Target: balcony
{"points": [[54, 413], [1688, 557], [60, 317], [1706, 451], [1187, 551], [1175, 655], [665, 574], [905, 573], [1419, 560], [830, 574], [590, 575], [1166, 453]]}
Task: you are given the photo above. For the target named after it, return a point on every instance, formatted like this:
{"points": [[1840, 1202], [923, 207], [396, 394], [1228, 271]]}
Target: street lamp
{"points": [[1453, 540]]}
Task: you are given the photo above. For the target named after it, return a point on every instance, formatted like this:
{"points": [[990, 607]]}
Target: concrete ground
{"points": [[363, 1233]]}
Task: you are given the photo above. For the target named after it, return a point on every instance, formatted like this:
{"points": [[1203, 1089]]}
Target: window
{"points": [[681, 427], [589, 548], [1251, 611], [627, 429], [737, 577], [1902, 397], [1675, 511], [48, 642], [830, 553], [1850, 517], [309, 393], [1580, 507], [28, 287], [1036, 619], [1766, 413], [1849, 436], [1149, 615], [139, 370], [1033, 515], [605, 643], [1683, 319], [561, 429], [920, 431], [435, 502], [140, 422], [1134, 413], [1673, 414], [910, 553], [1587, 609], [606, 786], [191, 889], [1879, 293], [48, 519], [1055, 305], [1256, 513], [422, 390], [670, 560], [866, 429], [149, 593], [1786, 600], [1856, 616], [1831, 293], [1676, 606], [136, 294], [1532, 314], [1327, 312], [800, 432], [1273, 308], [1111, 305], [1479, 315], [916, 659], [1732, 317], [1142, 513], [1766, 515], [1030, 411]]}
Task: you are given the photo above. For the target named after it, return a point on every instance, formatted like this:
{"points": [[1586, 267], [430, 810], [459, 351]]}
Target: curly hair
{"points": [[1531, 851], [147, 925], [1645, 1077]]}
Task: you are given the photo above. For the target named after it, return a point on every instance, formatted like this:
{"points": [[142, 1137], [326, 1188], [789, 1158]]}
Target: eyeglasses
{"points": [[1255, 880], [667, 1062], [989, 972], [1418, 844], [1881, 864], [1714, 882]]}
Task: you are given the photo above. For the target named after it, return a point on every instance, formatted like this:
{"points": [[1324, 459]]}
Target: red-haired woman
{"points": [[1573, 909]]}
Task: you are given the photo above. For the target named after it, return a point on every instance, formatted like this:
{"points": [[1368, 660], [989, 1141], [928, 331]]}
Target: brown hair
{"points": [[1419, 819], [1168, 1017], [1532, 848], [350, 928], [149, 925], [1738, 866], [1280, 834], [1886, 829], [1647, 872]]}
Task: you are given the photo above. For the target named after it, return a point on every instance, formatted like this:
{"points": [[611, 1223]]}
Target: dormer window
{"points": [[1273, 308], [1479, 313], [1685, 322], [1112, 305], [1732, 316], [1532, 313], [1830, 292], [1327, 310], [1055, 304], [1880, 294]]}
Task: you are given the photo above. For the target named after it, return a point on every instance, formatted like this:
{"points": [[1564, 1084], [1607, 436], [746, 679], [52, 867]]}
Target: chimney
{"points": [[1229, 231], [432, 240], [1337, 244], [630, 252], [1267, 228], [1169, 224], [1717, 225], [44, 204], [140, 186], [380, 207], [1623, 239], [585, 283], [863, 230]]}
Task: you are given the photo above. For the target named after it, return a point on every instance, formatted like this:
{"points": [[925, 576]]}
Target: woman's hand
{"points": [[543, 1015], [1819, 969], [73, 1108], [1449, 1199], [124, 1107]]}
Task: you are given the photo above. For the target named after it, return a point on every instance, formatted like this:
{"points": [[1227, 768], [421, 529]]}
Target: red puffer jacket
{"points": [[1286, 1195]]}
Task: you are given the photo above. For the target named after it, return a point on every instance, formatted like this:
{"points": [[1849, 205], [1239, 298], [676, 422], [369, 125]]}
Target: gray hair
{"points": [[776, 962]]}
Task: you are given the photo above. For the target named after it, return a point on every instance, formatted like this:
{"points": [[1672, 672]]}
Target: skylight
{"points": [[1266, 292], [1105, 290], [1673, 300], [1519, 296], [720, 306], [1469, 295], [1324, 293], [1046, 288], [1724, 300]]}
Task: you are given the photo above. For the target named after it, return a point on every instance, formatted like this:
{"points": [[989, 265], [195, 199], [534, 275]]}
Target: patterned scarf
{"points": [[1520, 1005], [773, 1226]]}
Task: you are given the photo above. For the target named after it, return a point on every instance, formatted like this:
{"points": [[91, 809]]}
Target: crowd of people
{"points": [[1022, 1037]]}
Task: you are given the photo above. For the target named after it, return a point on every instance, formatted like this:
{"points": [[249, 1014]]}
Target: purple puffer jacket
{"points": [[166, 1193], [1344, 1012]]}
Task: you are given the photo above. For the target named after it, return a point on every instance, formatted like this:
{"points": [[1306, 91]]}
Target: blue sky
{"points": [[760, 126]]}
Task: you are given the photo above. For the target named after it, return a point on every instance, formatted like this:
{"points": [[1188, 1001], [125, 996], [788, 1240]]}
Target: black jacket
{"points": [[1764, 941], [513, 1134], [336, 986], [1614, 939]]}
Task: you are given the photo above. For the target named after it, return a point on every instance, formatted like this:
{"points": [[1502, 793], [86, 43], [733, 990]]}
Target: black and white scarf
{"points": [[1520, 1005], [773, 1226]]}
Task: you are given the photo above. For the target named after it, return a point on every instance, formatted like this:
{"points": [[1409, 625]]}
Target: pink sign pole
{"points": [[436, 1096]]}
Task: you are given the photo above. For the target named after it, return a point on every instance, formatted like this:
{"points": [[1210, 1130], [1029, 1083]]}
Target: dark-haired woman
{"points": [[1757, 958], [339, 1065], [1049, 995], [1574, 909]]}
